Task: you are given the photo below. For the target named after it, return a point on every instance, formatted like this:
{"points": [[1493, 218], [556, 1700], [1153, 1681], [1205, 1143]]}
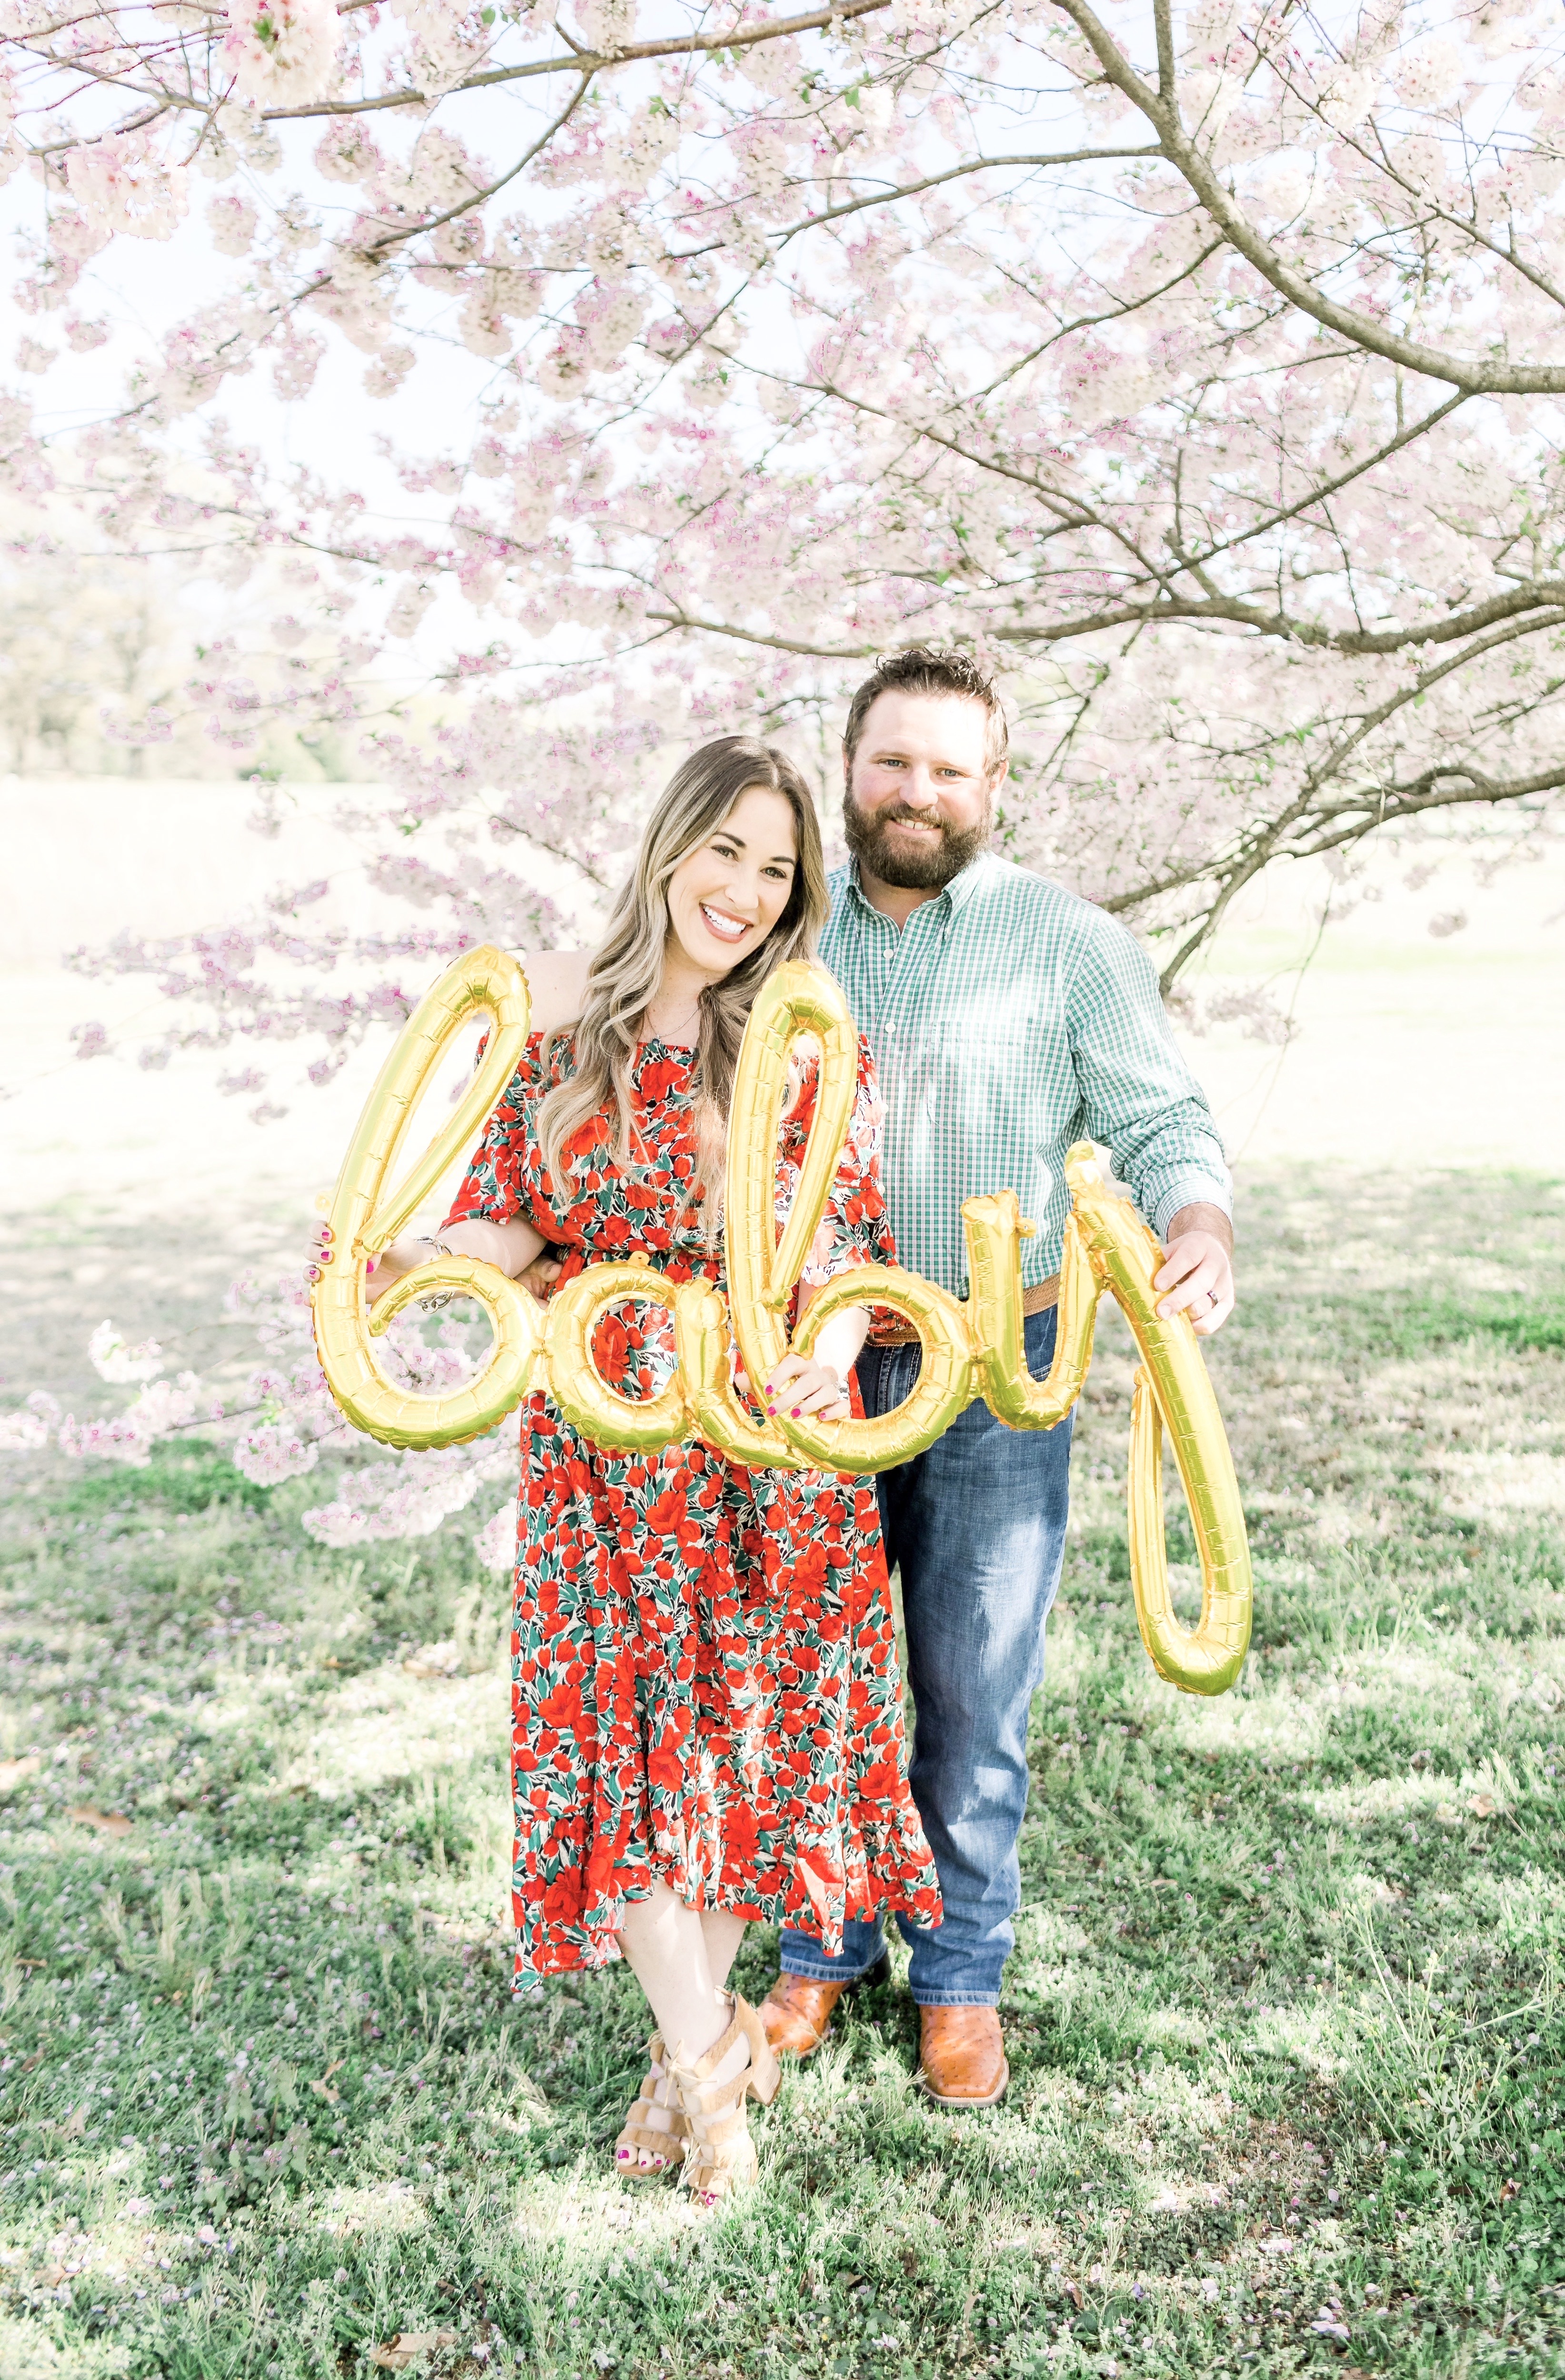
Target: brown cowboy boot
{"points": [[962, 2055], [796, 2012]]}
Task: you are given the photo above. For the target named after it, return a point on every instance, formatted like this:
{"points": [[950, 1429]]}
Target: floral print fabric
{"points": [[704, 1683]]}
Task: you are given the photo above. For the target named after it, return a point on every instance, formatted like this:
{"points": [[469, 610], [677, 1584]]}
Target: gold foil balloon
{"points": [[718, 1413], [795, 1003], [362, 1221], [976, 1349], [994, 1231], [578, 1387], [942, 1388], [1173, 1388], [399, 1419]]}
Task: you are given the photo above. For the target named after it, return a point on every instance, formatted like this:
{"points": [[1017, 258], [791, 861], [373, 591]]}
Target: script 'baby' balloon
{"points": [[970, 1350]]}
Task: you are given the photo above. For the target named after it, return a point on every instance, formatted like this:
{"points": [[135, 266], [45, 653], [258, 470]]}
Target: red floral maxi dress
{"points": [[704, 1680]]}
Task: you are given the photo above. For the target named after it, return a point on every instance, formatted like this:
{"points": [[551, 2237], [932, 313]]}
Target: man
{"points": [[1008, 1019]]}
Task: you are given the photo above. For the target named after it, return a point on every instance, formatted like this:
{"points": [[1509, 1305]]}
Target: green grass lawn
{"points": [[1285, 2015]]}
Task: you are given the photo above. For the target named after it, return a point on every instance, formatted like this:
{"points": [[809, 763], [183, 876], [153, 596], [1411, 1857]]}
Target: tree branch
{"points": [[1469, 373], [480, 198], [591, 62], [1543, 594], [1162, 18], [755, 637], [913, 190]]}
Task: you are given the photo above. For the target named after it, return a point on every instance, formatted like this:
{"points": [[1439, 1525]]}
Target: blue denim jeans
{"points": [[977, 1526]]}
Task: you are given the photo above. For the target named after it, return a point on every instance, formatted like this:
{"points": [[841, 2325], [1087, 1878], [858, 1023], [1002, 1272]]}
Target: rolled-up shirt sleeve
{"points": [[1138, 1096]]}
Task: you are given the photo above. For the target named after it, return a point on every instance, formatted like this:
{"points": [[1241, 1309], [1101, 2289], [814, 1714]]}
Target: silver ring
{"points": [[1212, 1299]]}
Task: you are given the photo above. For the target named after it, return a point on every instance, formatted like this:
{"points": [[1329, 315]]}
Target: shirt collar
{"points": [[955, 894]]}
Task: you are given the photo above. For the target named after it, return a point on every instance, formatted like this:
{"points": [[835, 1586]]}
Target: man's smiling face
{"points": [[919, 804]]}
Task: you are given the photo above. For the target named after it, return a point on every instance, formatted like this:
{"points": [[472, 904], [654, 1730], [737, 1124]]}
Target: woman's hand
{"points": [[382, 1271], [512, 1247], [818, 1385], [540, 1276], [801, 1386]]}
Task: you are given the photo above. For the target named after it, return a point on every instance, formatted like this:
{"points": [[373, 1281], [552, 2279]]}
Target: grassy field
{"points": [[1286, 2015]]}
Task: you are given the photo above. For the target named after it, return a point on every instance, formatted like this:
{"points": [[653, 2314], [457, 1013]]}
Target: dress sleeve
{"points": [[855, 1228], [492, 1189]]}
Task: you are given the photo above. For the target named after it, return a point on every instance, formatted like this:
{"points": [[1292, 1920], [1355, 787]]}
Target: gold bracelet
{"points": [[443, 1297]]}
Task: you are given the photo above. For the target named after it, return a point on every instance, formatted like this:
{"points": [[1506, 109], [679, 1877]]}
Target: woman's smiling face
{"points": [[724, 897]]}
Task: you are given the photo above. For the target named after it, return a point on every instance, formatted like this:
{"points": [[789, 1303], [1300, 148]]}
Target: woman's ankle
{"points": [[691, 2047]]}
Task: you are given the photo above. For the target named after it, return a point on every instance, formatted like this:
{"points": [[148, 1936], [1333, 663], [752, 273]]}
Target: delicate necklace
{"points": [[691, 1024]]}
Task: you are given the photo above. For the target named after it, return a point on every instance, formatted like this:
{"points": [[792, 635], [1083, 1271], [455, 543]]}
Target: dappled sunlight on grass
{"points": [[1376, 1799], [1284, 2017], [385, 1725], [1287, 1723], [1499, 1480]]}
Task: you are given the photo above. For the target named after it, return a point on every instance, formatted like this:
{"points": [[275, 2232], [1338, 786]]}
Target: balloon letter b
{"points": [[484, 982], [796, 1002]]}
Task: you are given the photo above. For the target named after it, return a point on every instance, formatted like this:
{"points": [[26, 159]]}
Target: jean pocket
{"points": [[887, 1378], [1038, 1333]]}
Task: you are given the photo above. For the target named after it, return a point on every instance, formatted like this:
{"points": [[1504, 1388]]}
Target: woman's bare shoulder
{"points": [[556, 980]]}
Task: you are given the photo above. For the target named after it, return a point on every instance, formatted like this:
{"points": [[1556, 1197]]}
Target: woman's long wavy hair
{"points": [[626, 971]]}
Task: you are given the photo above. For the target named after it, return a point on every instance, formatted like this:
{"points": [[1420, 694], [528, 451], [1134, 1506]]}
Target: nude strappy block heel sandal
{"points": [[664, 2144], [720, 2154]]}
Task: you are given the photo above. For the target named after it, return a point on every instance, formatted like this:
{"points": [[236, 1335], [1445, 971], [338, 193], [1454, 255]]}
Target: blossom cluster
{"points": [[690, 361], [1193, 519], [275, 1428]]}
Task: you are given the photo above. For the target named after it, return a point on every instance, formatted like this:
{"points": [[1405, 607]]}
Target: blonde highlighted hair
{"points": [[627, 969]]}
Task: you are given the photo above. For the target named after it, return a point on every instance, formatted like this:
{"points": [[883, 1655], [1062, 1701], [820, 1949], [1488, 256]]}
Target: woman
{"points": [[707, 1706]]}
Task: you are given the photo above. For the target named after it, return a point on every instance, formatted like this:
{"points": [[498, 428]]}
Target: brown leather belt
{"points": [[898, 1333]]}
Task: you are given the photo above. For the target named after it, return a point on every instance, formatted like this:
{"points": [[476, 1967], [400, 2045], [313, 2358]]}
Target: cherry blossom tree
{"points": [[656, 366]]}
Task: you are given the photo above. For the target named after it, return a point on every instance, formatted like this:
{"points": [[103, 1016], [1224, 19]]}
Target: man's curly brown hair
{"points": [[930, 669]]}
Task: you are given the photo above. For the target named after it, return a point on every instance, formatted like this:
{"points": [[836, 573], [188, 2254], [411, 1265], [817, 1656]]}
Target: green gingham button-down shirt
{"points": [[1009, 1019]]}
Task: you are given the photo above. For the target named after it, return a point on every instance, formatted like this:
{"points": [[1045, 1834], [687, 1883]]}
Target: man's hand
{"points": [[1197, 1272]]}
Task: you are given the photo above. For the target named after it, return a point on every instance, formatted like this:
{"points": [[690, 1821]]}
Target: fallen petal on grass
{"points": [[106, 1822], [396, 2355]]}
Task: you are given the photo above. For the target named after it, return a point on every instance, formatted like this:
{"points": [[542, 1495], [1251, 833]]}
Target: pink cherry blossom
{"points": [[112, 1359], [125, 183], [271, 1453], [281, 52], [495, 1544], [1209, 397]]}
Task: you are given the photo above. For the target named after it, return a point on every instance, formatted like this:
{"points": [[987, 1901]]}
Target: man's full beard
{"points": [[925, 867]]}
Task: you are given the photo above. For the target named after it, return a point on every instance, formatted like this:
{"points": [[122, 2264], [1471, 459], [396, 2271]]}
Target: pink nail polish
{"points": [[314, 1272], [325, 1256], [794, 1415]]}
